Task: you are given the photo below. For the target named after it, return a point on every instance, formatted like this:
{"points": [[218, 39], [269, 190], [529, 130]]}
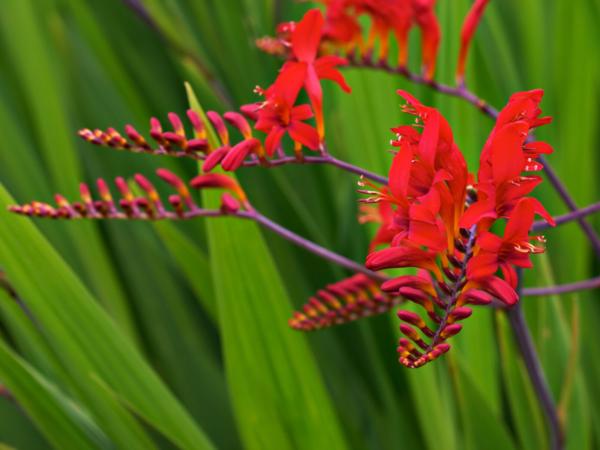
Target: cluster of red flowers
{"points": [[436, 218], [343, 33]]}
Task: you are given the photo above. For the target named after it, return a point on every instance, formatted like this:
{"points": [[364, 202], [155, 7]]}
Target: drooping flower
{"points": [[438, 221]]}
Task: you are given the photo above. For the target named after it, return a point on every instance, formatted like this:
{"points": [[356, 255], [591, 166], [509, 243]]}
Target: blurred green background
{"points": [[140, 335]]}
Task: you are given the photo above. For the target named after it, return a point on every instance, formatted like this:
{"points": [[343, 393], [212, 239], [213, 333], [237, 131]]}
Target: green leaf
{"points": [[86, 339], [56, 417]]}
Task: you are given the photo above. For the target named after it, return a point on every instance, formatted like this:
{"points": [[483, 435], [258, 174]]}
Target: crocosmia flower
{"points": [[436, 218]]}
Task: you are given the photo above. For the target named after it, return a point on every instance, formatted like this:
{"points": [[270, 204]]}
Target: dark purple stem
{"points": [[568, 200], [314, 248], [591, 283], [458, 91], [536, 374]]}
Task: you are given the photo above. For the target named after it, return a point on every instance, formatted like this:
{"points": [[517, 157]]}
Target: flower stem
{"points": [[314, 248], [536, 374], [591, 283]]}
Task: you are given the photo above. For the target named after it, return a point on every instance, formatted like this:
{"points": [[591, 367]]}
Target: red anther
{"points": [[123, 188]]}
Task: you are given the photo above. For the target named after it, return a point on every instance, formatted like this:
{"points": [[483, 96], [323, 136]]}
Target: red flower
{"points": [[276, 117], [505, 156], [513, 249], [306, 69]]}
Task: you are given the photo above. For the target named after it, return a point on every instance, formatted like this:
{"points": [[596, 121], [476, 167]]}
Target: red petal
{"points": [[479, 210], [326, 69], [301, 112], [506, 152], [273, 139], [305, 134], [307, 35], [399, 175], [289, 81], [520, 221]]}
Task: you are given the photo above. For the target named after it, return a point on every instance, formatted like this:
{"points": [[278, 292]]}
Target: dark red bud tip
{"points": [[240, 122], [174, 138], [236, 156], [84, 191], [155, 126], [143, 182], [217, 180], [251, 111], [461, 313], [451, 330], [411, 317], [214, 158], [442, 348], [170, 177], [196, 123], [217, 122], [176, 123], [477, 297], [195, 145], [413, 294], [409, 331], [229, 204]]}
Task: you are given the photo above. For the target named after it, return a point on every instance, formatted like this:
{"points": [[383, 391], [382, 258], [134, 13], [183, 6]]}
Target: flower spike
{"points": [[140, 207], [436, 218], [342, 302]]}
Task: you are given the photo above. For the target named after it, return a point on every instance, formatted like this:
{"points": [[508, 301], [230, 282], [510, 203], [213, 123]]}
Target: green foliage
{"points": [[134, 335]]}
